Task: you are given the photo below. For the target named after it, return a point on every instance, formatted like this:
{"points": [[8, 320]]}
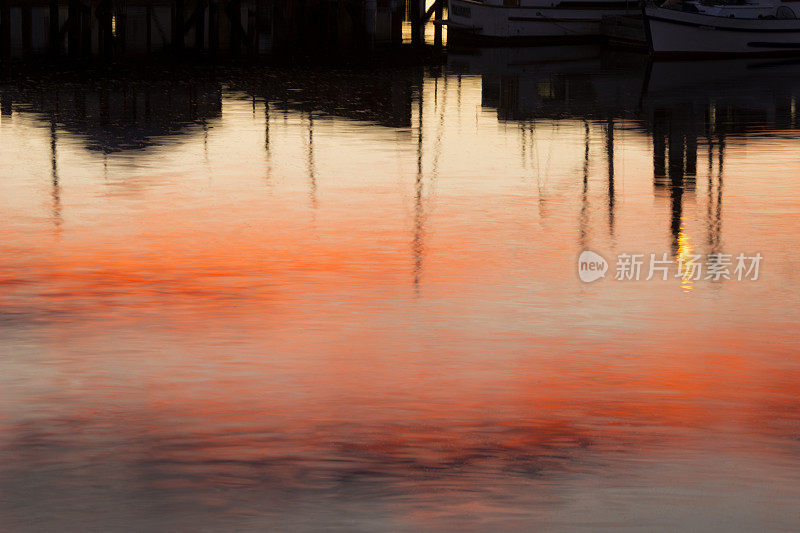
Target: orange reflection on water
{"points": [[249, 330]]}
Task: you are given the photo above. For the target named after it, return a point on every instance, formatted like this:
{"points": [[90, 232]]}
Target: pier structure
{"points": [[130, 28]]}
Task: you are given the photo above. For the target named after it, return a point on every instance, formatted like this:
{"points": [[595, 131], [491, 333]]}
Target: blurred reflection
{"points": [[681, 106], [561, 82], [706, 102], [357, 309], [354, 93], [56, 188], [674, 160], [121, 113]]}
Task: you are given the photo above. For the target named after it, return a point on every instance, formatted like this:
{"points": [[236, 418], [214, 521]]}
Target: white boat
{"points": [[533, 19], [723, 29]]}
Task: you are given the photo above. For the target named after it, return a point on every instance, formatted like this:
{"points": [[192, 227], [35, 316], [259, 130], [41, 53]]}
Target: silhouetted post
{"points": [[149, 28], [370, 14], [234, 12], [54, 29], [200, 25], [416, 11], [86, 29], [177, 25], [106, 17], [331, 23], [213, 26], [119, 30], [438, 17], [73, 35], [5, 28], [397, 23], [26, 22], [265, 25]]}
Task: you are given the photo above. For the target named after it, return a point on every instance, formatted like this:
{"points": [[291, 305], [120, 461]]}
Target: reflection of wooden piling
{"points": [[659, 148], [5, 104], [691, 156], [610, 163]]}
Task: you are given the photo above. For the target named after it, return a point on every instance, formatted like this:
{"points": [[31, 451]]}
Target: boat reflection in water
{"points": [[345, 298]]}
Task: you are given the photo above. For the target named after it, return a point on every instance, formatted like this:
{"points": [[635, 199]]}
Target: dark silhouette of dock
{"points": [[131, 28]]}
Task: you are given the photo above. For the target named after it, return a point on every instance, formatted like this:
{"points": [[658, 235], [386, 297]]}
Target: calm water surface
{"points": [[347, 299]]}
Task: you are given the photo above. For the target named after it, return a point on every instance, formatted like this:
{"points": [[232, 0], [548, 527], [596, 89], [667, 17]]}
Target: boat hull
{"points": [[536, 20], [672, 33]]}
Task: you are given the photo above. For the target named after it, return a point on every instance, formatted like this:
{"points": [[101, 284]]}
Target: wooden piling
{"points": [[54, 43], [149, 28], [213, 26], [26, 22], [416, 13], [98, 26], [200, 25], [86, 29], [5, 29], [438, 17], [178, 25], [73, 25]]}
